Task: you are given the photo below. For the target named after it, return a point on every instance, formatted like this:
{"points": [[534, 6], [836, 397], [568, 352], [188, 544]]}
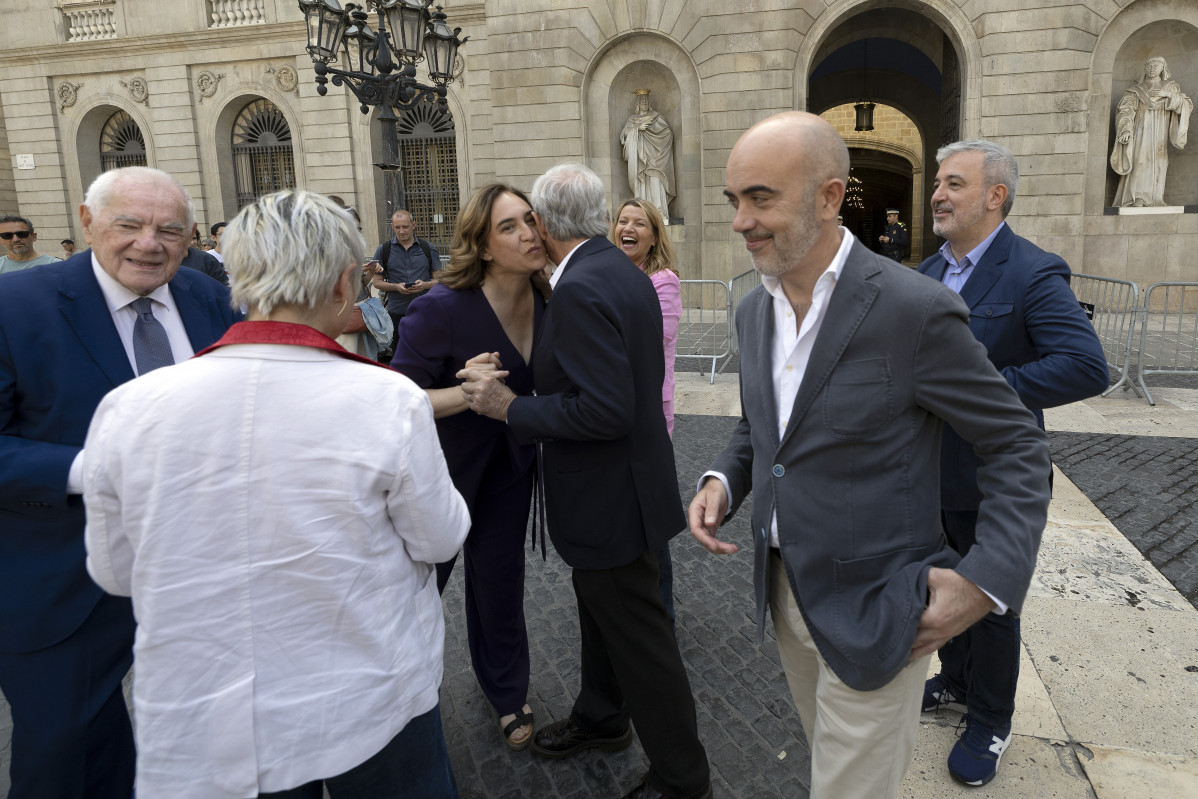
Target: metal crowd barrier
{"points": [[1168, 332], [738, 289], [704, 331], [1113, 307]]}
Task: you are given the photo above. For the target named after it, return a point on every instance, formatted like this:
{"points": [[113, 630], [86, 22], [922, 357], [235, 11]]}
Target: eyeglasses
{"points": [[20, 234]]}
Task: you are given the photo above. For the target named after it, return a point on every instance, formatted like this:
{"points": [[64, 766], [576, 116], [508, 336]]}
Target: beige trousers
{"points": [[861, 741]]}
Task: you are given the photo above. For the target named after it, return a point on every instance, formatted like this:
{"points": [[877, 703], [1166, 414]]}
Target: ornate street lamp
{"points": [[379, 66], [864, 108]]}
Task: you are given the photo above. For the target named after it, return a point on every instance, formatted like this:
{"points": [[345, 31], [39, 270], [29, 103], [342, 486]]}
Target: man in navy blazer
{"points": [[65, 341], [611, 493], [850, 365], [1036, 334]]}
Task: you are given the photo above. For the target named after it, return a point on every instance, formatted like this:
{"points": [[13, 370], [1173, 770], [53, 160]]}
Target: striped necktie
{"points": [[151, 347]]}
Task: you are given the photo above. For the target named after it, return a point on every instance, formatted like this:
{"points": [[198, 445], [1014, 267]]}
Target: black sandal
{"points": [[522, 719]]}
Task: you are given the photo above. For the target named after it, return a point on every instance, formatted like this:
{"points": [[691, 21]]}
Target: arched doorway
{"points": [[121, 143], [263, 161], [428, 152], [906, 62]]}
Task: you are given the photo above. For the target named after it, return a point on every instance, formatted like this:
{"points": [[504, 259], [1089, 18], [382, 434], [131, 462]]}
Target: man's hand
{"points": [[707, 510], [954, 605], [485, 392], [482, 363]]}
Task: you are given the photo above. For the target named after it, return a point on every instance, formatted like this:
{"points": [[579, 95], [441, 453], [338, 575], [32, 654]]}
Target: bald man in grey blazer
{"points": [[849, 365]]}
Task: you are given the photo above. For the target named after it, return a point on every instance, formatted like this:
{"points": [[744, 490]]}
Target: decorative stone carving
{"points": [[206, 83], [68, 95], [1152, 114], [89, 20], [286, 78], [649, 151], [139, 90], [227, 13]]}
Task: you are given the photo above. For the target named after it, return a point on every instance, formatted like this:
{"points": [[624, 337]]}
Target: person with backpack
{"points": [[408, 266]]}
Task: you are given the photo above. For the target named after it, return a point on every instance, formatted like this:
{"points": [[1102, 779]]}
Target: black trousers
{"points": [[631, 669]]}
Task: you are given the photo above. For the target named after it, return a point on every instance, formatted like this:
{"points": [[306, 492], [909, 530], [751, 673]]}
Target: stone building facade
{"points": [[221, 94]]}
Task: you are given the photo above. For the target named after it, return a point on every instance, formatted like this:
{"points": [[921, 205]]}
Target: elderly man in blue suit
{"points": [[1036, 334], [850, 364], [69, 333]]}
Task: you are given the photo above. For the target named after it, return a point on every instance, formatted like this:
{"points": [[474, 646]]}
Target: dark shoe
{"points": [[937, 694], [644, 791], [975, 756], [564, 738]]}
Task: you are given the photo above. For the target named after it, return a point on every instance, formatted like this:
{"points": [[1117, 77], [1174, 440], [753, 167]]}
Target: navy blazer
{"points": [[1035, 332], [60, 354], [611, 489]]}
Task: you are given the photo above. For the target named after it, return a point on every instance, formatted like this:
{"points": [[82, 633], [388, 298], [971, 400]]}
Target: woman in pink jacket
{"points": [[641, 233]]}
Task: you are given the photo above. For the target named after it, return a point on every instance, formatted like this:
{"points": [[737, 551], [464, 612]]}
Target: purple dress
{"points": [[440, 332]]}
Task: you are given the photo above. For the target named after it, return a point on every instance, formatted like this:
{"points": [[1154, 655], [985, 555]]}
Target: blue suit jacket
{"points": [[59, 355], [1022, 309]]}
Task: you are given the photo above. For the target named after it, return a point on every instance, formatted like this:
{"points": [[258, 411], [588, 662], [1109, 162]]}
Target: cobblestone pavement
{"points": [[1146, 487], [746, 719]]}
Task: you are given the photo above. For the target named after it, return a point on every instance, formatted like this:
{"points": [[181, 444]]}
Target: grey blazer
{"points": [[855, 479]]}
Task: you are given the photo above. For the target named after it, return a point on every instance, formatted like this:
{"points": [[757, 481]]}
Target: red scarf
{"points": [[284, 333]]}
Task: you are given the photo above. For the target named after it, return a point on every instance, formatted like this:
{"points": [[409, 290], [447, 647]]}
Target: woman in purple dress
{"points": [[485, 313]]}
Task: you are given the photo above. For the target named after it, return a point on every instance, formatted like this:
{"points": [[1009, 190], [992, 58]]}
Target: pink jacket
{"points": [[669, 294]]}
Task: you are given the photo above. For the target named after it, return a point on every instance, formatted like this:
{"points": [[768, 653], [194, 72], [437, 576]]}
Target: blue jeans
{"points": [[414, 765], [982, 663]]}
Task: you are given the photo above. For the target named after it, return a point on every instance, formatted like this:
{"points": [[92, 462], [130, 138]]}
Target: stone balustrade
{"points": [[88, 21], [228, 13]]}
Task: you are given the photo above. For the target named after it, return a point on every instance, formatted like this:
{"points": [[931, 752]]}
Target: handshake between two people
{"points": [[483, 387]]}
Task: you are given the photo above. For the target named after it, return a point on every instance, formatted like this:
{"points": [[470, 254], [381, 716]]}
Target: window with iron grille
{"points": [[121, 143], [428, 151], [262, 155]]}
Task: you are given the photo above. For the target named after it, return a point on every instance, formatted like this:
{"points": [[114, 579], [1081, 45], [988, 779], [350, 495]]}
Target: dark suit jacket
{"points": [[59, 355], [854, 480], [1022, 309], [610, 484]]}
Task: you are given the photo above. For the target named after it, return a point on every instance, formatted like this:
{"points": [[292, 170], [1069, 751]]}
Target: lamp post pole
{"points": [[380, 68]]}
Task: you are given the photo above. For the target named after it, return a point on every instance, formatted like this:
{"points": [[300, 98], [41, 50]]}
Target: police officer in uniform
{"points": [[894, 237]]}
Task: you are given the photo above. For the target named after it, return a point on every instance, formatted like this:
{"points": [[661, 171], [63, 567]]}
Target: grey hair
{"points": [[289, 248], [569, 199], [998, 167], [99, 194], [7, 218]]}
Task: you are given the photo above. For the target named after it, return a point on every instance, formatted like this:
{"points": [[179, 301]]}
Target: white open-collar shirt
{"points": [[276, 534]]}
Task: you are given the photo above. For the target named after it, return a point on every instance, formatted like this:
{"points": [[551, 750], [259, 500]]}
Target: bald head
{"points": [[805, 142], [786, 178]]}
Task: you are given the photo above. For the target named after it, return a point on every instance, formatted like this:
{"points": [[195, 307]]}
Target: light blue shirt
{"points": [[955, 274]]}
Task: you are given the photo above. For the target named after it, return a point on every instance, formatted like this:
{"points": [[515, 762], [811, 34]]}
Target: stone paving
{"points": [[1146, 487]]}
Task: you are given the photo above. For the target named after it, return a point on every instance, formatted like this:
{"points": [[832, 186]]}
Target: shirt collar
{"points": [[117, 296], [976, 253], [832, 274], [561, 267]]}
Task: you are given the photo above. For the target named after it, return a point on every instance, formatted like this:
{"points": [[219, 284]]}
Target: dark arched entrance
{"points": [[902, 59]]}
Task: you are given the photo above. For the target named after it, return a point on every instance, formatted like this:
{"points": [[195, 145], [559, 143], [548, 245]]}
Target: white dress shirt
{"points": [[277, 550], [791, 346], [119, 299], [561, 267]]}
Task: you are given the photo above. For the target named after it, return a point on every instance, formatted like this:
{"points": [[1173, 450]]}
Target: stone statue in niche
{"points": [[649, 150], [1152, 114]]}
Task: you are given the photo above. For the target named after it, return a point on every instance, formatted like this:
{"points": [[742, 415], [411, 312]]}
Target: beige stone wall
{"points": [[8, 186], [891, 126], [549, 80]]}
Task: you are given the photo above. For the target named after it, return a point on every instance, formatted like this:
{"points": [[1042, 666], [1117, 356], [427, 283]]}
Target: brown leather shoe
{"points": [[564, 738], [644, 791]]}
